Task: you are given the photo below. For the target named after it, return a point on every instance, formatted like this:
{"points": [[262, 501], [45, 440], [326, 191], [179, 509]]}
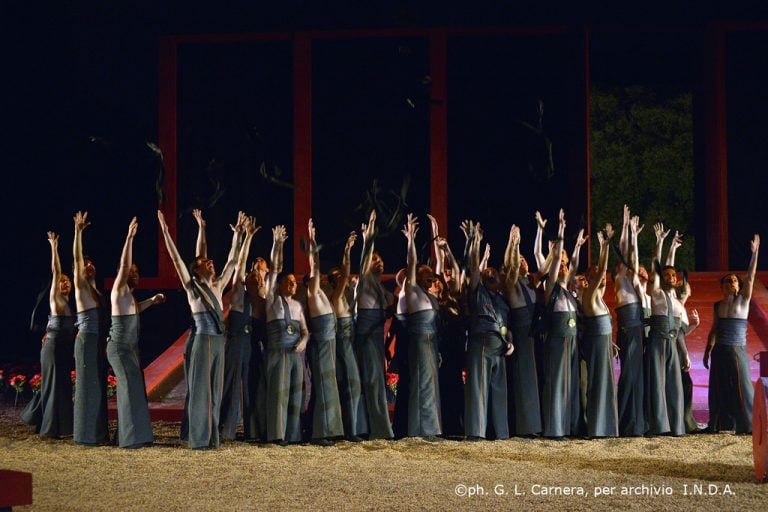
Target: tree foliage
{"points": [[641, 150]]}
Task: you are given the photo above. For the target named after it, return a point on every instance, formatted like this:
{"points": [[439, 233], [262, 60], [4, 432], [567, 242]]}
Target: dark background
{"points": [[79, 102]]}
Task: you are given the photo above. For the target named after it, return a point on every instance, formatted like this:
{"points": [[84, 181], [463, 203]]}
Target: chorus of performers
{"points": [[481, 352]]}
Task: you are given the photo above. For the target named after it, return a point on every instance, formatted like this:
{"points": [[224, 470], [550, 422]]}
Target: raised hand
{"points": [[198, 214], [581, 239], [81, 221], [433, 223], [133, 227], [311, 230], [514, 235], [350, 241], [658, 228], [755, 244], [53, 239], [250, 226], [541, 222], [677, 241], [410, 228], [279, 234]]}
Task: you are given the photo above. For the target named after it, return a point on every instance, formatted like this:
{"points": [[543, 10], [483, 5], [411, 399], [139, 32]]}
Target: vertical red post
{"points": [[167, 139], [438, 127], [302, 146], [715, 152]]}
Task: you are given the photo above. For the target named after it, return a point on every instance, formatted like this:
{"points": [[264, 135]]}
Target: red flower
{"points": [[464, 375], [17, 382], [392, 379], [35, 382], [73, 376], [111, 385]]}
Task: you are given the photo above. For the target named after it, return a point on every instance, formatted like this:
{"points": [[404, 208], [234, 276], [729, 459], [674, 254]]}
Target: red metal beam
{"points": [[438, 127], [302, 146], [716, 152]]}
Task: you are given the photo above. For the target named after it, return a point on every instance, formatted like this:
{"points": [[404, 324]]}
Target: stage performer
{"points": [[90, 417], [255, 423], [287, 337], [50, 410], [326, 413], [134, 426], [424, 418], [353, 413], [663, 384], [730, 388], [560, 397], [489, 341], [598, 348], [372, 302], [631, 300], [205, 368], [238, 399], [522, 368]]}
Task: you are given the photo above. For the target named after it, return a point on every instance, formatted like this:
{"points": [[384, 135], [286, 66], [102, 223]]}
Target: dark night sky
{"points": [[78, 69]]}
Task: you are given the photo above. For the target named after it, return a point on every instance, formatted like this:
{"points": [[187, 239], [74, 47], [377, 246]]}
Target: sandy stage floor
{"points": [[703, 472]]}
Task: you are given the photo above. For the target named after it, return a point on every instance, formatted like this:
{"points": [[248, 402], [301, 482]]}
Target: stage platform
{"points": [[166, 387]]}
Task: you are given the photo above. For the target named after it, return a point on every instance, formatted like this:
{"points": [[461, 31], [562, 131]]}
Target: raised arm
{"points": [[754, 246], [554, 266], [512, 258], [624, 243], [81, 222], [178, 263], [250, 228], [201, 247], [595, 281], [368, 231], [409, 230], [486, 257], [658, 229], [634, 260], [314, 261], [55, 299], [126, 259], [580, 241], [343, 280], [473, 257], [677, 241], [538, 254], [279, 236], [439, 255], [238, 235]]}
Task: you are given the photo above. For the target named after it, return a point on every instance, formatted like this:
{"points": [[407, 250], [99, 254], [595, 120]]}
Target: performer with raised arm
{"points": [[489, 342], [90, 417], [326, 414], [560, 398], [400, 363], [630, 302], [663, 384], [522, 374], [134, 426], [353, 413], [730, 389], [688, 324], [255, 423], [205, 368], [424, 418], [238, 396], [452, 333], [372, 302], [598, 348], [287, 338], [201, 249], [51, 413]]}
